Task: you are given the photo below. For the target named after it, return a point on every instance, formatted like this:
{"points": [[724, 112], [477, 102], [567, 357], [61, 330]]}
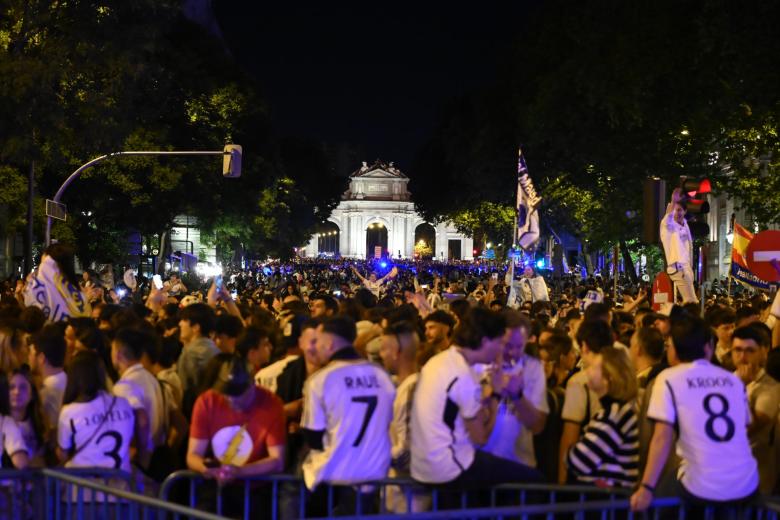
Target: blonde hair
{"points": [[9, 356], [617, 369]]}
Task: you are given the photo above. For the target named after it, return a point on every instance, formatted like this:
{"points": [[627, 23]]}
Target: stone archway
{"points": [[376, 236], [424, 241], [328, 235]]}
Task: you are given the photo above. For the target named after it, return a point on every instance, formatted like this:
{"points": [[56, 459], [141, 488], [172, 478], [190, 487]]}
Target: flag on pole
{"points": [[47, 289], [739, 269], [527, 203]]}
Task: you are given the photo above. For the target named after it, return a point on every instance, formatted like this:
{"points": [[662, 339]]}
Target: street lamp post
{"points": [[231, 168]]}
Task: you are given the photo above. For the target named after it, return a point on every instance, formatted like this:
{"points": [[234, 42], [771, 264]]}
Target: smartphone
{"points": [[234, 294], [218, 283], [425, 286], [157, 279], [495, 276], [336, 293]]}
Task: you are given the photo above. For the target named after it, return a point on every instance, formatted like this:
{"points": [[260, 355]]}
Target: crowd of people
{"points": [[457, 376]]}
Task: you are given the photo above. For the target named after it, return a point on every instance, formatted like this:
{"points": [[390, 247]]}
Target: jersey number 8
{"points": [[718, 415]]}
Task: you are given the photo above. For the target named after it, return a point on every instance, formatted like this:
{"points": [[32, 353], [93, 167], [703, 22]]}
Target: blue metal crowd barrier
{"points": [[189, 484], [79, 497]]}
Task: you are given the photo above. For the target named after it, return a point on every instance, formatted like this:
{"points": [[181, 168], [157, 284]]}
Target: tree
{"points": [[602, 95], [82, 79]]}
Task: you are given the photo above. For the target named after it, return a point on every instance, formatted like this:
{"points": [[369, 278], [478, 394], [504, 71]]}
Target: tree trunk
{"points": [[628, 262], [588, 259]]}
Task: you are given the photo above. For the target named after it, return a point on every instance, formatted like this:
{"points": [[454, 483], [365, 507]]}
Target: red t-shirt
{"points": [[238, 437]]}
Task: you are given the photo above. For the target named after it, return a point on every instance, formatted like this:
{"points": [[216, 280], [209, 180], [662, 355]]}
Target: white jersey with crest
{"points": [[708, 406], [99, 440], [351, 400], [448, 393]]}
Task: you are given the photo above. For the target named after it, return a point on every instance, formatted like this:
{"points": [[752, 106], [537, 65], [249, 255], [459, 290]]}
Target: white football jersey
{"points": [[448, 391], [708, 406], [352, 401], [266, 377], [98, 442]]}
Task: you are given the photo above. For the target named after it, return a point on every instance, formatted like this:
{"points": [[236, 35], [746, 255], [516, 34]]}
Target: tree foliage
{"points": [[603, 94], [81, 79]]}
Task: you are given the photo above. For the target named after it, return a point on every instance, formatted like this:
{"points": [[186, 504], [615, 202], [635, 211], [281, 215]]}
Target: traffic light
{"points": [[231, 161], [696, 204]]}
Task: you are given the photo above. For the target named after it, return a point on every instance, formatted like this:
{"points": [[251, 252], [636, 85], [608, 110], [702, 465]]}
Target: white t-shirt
{"points": [[709, 406], [352, 401], [580, 400], [509, 439], [100, 443], [448, 391], [12, 440], [266, 377], [52, 391], [142, 391], [399, 428]]}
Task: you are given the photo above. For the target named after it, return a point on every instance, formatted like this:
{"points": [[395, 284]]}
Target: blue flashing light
{"points": [[383, 265], [540, 264]]}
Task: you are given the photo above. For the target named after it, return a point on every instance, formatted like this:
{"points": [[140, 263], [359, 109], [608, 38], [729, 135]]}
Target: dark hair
{"points": [[200, 314], [341, 326], [133, 343], [5, 402], [690, 335], [86, 378], [745, 311], [32, 319], [479, 323], [33, 412], [443, 317], [596, 334], [50, 342], [232, 377], [557, 344], [229, 325], [107, 311], [515, 319], [651, 342], [757, 332], [169, 351], [460, 308], [330, 302], [597, 311], [64, 257], [720, 315], [92, 338], [250, 338]]}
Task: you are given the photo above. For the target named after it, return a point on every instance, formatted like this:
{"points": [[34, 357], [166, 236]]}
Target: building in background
{"points": [[377, 216]]}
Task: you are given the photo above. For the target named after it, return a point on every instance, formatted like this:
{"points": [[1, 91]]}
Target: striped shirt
{"points": [[608, 450]]}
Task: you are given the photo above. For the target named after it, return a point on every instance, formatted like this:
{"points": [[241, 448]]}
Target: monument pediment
{"points": [[379, 170]]}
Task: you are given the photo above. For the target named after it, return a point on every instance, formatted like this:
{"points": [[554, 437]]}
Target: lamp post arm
{"points": [[76, 174]]}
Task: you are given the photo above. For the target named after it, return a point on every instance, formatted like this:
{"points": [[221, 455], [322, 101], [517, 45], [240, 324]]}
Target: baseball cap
{"points": [[233, 378]]}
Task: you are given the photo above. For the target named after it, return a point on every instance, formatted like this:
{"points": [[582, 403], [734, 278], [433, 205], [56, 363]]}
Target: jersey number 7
{"points": [[369, 400]]}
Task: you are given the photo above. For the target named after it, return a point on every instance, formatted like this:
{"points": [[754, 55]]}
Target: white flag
{"points": [[47, 289]]}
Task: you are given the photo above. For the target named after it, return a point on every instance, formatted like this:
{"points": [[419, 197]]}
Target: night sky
{"points": [[372, 77]]}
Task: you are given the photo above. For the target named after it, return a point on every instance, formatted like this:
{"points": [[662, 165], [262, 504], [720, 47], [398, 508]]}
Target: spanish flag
{"points": [[739, 268]]}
